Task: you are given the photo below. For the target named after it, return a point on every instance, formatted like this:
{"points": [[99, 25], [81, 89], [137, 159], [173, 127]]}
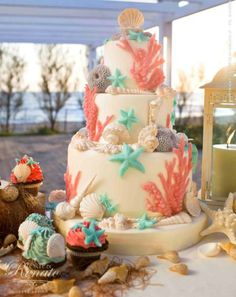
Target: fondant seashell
{"points": [[130, 18], [147, 138], [57, 196], [180, 268], [115, 133], [98, 78], [22, 172], [65, 211], [116, 273], [142, 262], [171, 256], [75, 291], [83, 144], [229, 248], [56, 246], [98, 267], [107, 223], [165, 92], [192, 204], [25, 229], [180, 218], [9, 239], [108, 148], [91, 207], [210, 249], [10, 193], [118, 90]]}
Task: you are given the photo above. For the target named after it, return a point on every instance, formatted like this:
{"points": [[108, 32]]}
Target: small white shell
{"points": [[65, 211], [210, 249], [56, 246], [22, 172], [83, 144], [180, 218], [25, 229], [130, 18], [108, 148], [91, 207], [147, 138], [57, 196], [115, 133]]}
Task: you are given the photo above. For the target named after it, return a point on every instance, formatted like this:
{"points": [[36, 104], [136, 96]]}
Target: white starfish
{"points": [[223, 221]]}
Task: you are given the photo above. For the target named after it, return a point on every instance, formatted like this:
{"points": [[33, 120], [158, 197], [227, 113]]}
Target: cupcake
{"points": [[32, 222], [27, 174], [44, 251], [85, 242]]}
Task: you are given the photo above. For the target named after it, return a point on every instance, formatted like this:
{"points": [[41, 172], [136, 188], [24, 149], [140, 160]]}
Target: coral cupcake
{"points": [[45, 251], [27, 174], [32, 222], [85, 242]]}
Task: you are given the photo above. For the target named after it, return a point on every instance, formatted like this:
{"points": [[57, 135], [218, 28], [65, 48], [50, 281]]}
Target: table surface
{"points": [[208, 276]]}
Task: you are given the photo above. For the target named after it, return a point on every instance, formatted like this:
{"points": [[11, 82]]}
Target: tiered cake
{"points": [[129, 169]]}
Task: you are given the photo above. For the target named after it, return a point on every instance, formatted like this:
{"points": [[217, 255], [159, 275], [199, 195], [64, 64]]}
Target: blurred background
{"points": [[41, 89]]}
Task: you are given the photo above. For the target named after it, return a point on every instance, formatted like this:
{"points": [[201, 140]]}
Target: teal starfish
{"points": [[145, 222], [106, 202], [128, 158], [138, 36], [31, 162], [92, 235], [127, 118], [117, 79]]}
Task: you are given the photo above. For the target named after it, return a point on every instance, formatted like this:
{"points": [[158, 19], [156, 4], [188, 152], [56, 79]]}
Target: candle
{"points": [[224, 171]]}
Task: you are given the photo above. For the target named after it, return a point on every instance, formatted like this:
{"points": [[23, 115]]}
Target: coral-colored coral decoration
{"points": [[170, 200], [146, 69], [71, 187], [168, 121], [36, 174], [95, 127]]}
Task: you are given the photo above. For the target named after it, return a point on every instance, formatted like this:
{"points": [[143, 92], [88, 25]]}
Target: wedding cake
{"points": [[129, 169]]}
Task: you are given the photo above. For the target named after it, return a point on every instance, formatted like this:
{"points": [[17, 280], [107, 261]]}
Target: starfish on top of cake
{"points": [[223, 221]]}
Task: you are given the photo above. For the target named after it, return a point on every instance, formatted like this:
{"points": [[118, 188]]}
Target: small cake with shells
{"points": [[27, 174], [85, 242]]}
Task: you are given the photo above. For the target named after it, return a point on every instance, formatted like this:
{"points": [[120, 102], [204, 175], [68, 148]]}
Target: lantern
{"points": [[219, 160]]}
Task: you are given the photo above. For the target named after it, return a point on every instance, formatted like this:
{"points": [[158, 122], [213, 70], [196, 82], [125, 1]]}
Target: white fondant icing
{"points": [[112, 104]]}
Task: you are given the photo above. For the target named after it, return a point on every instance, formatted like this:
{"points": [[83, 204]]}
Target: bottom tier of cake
{"points": [[151, 241]]}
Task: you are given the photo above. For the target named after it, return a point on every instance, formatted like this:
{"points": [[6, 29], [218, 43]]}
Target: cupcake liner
{"points": [[33, 188]]}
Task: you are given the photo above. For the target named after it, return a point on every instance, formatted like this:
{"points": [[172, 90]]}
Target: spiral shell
{"points": [[147, 138], [9, 194], [25, 229], [116, 273], [65, 211], [180, 218], [91, 207], [192, 204], [115, 133], [130, 18], [22, 172]]}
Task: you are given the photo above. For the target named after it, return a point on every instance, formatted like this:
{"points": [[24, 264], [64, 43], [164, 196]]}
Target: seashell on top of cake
{"points": [[91, 207], [65, 211], [130, 18], [147, 138], [115, 133]]}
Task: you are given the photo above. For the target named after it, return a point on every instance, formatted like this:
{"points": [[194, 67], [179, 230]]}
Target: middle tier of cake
{"points": [[127, 191]]}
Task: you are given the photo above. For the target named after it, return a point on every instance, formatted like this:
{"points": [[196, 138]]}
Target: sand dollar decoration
{"points": [[131, 18]]}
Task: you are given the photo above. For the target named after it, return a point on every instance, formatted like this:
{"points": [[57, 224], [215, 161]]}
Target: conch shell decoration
{"points": [[180, 218], [147, 138], [130, 18], [98, 267], [116, 273], [191, 202], [115, 133]]}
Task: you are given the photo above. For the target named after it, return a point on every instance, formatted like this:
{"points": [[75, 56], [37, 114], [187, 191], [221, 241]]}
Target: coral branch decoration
{"points": [[71, 187], [168, 121], [146, 69], [94, 126], [170, 201]]}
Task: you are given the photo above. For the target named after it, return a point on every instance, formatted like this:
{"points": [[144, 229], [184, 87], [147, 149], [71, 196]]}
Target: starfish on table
{"points": [[138, 36], [92, 235], [127, 118], [117, 80], [128, 159], [145, 222], [223, 221]]}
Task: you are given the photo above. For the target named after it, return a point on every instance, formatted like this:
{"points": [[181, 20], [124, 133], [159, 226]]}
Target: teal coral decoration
{"points": [[128, 159], [117, 80], [92, 235], [106, 202], [127, 118], [194, 157], [40, 220], [138, 36], [145, 222], [172, 118]]}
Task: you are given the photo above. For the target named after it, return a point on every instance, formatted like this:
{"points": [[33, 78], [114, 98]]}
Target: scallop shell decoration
{"points": [[56, 246], [130, 18], [180, 218], [91, 207], [65, 211], [115, 133], [147, 138], [22, 172], [25, 229]]}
